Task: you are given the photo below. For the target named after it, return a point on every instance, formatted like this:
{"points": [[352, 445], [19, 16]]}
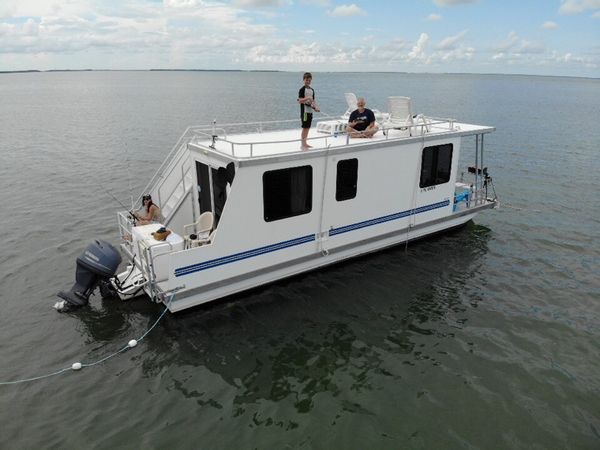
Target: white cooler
{"points": [[158, 249]]}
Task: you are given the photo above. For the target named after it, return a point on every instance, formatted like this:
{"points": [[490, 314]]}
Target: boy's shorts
{"points": [[306, 120]]}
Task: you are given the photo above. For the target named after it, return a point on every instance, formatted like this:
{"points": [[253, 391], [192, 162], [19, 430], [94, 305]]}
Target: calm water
{"points": [[487, 337]]}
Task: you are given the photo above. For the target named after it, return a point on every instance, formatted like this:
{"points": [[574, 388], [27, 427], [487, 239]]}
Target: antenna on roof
{"points": [[214, 134]]}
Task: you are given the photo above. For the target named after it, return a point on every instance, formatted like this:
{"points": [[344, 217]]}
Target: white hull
{"points": [[279, 212], [254, 279]]}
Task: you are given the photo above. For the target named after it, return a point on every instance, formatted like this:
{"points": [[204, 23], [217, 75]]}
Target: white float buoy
{"points": [[76, 366], [132, 343], [59, 306]]}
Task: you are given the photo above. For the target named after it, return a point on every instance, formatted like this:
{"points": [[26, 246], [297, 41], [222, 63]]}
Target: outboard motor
{"points": [[97, 263]]}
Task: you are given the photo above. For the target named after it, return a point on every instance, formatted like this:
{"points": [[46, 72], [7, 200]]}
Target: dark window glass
{"points": [[203, 187], [287, 192], [347, 178], [436, 165]]}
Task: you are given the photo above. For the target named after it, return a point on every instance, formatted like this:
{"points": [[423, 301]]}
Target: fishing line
{"points": [[129, 210], [129, 176], [78, 365]]}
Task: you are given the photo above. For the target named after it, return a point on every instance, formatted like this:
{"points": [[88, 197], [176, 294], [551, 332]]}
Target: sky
{"points": [[539, 37]]}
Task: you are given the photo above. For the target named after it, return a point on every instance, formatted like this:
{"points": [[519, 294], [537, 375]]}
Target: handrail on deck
{"points": [[425, 126], [170, 156]]}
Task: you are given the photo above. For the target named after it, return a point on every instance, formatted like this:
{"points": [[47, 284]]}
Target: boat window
{"points": [[436, 165], [347, 178], [203, 178], [287, 192], [219, 189]]}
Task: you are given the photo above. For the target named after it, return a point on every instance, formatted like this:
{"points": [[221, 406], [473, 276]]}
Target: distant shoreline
{"points": [[289, 71], [135, 70]]}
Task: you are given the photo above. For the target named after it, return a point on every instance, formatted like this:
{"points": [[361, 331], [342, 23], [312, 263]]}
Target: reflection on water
{"points": [[328, 332], [107, 320]]}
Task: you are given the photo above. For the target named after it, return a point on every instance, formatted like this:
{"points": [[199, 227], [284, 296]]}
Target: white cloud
{"points": [[450, 42], [514, 45], [182, 3], [552, 60], [395, 53], [459, 54], [418, 50], [596, 15], [511, 41], [198, 34], [347, 11], [578, 6], [530, 47], [183, 29], [36, 8], [257, 3], [390, 52], [452, 2], [300, 54], [31, 27], [316, 2], [549, 25], [569, 58]]}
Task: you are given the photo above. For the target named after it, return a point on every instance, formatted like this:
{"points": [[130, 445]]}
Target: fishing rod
{"points": [[131, 213]]}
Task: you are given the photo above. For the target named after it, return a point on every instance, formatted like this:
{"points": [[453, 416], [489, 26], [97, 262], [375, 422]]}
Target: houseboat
{"points": [[246, 205]]}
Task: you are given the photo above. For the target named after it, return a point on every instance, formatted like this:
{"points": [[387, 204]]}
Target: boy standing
{"points": [[306, 98]]}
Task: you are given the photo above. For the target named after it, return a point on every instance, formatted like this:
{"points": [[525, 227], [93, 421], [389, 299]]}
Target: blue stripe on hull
{"points": [[303, 240], [243, 255], [395, 216]]}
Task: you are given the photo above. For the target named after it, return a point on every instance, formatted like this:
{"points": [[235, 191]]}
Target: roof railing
{"points": [[203, 133]]}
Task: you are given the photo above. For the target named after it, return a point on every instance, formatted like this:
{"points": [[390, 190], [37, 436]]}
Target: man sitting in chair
{"points": [[361, 123]]}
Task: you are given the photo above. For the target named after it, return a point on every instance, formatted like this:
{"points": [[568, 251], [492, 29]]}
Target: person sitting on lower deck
{"points": [[361, 123], [150, 213]]}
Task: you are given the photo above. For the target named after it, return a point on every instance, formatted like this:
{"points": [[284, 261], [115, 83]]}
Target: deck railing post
{"points": [[482, 167], [476, 169]]}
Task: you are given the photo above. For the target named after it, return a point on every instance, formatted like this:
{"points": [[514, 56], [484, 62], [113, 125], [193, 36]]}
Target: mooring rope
{"points": [[78, 366]]}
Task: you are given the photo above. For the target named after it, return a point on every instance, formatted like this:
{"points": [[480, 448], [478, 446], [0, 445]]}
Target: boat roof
{"points": [[324, 135]]}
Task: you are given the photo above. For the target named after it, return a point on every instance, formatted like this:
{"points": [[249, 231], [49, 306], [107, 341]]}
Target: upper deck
{"points": [[237, 143]]}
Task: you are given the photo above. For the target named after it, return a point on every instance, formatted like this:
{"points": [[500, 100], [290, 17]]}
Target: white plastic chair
{"points": [[202, 227], [339, 126], [351, 99], [400, 113]]}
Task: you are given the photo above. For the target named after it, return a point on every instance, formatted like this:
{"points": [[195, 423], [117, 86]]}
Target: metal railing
{"points": [[145, 261], [426, 126], [479, 187], [125, 225]]}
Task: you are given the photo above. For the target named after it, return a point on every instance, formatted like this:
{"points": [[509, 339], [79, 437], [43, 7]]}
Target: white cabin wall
{"points": [[183, 215], [242, 228], [440, 192], [386, 180], [388, 183]]}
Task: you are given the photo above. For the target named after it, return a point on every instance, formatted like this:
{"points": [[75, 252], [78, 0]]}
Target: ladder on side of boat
{"points": [[169, 191]]}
